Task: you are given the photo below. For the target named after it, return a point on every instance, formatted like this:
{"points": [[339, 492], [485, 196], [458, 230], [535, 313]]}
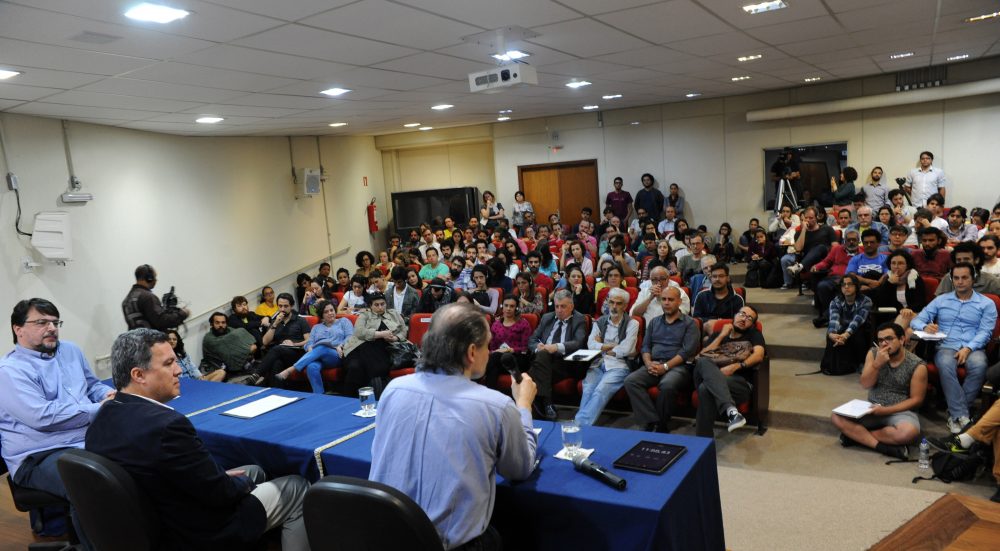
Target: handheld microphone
{"points": [[585, 465], [510, 365]]}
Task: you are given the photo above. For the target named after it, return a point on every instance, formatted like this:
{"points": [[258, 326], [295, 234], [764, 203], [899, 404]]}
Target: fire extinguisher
{"points": [[372, 220]]}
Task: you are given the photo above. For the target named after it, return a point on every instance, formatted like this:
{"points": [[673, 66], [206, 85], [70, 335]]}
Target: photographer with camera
{"points": [[786, 168], [143, 309]]}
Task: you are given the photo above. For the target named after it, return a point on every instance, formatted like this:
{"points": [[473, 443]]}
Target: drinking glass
{"points": [[367, 396], [572, 438]]}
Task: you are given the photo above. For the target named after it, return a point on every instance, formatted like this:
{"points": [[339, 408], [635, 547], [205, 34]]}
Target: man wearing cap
{"points": [[435, 295]]}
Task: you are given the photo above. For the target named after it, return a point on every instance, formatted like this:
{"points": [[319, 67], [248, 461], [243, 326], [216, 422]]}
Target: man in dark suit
{"points": [[559, 334], [200, 505]]}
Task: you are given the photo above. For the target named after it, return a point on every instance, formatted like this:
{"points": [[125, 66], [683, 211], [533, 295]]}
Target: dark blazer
{"points": [[576, 335], [410, 300], [198, 504], [916, 296]]}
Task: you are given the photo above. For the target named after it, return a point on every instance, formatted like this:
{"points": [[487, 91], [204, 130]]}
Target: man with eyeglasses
{"points": [[647, 304], [614, 335], [48, 400], [896, 380], [722, 379], [926, 180]]}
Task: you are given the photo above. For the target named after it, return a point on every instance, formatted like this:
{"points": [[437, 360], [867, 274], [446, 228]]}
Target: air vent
{"points": [[916, 79], [95, 38]]}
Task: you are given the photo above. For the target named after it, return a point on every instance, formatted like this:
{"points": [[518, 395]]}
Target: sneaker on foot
{"points": [[785, 287], [950, 444], [846, 441], [736, 421], [965, 423], [955, 425], [795, 268], [899, 452]]}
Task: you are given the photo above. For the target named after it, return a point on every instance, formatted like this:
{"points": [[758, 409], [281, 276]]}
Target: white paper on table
{"points": [[583, 355], [854, 409], [361, 413], [261, 406], [925, 336], [580, 451], [537, 431]]}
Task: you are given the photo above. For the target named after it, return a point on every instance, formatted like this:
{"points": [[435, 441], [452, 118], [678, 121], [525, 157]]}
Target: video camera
{"points": [[170, 299]]}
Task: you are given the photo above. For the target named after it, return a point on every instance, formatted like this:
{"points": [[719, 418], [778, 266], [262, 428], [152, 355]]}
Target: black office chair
{"points": [[28, 499], [345, 513], [113, 512]]}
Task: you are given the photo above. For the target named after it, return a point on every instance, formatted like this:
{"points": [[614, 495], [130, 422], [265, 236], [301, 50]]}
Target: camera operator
{"points": [[786, 168], [143, 309]]}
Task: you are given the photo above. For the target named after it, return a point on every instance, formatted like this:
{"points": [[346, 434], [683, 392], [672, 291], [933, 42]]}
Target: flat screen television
{"points": [[816, 165], [412, 208]]}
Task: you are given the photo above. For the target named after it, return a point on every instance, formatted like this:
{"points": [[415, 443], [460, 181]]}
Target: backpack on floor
{"points": [[961, 467]]}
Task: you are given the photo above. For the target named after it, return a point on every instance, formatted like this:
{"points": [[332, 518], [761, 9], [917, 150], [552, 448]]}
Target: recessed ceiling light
{"points": [[611, 96], [749, 57], [901, 56], [812, 79], [412, 124], [442, 107], [958, 57], [155, 13], [692, 94], [427, 128], [591, 107], [5, 74], [983, 17], [738, 79], [503, 118], [505, 111], [334, 92], [577, 84], [338, 124], [634, 123], [762, 7], [209, 119], [510, 55]]}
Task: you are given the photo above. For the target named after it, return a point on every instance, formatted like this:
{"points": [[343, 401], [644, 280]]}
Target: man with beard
{"points": [[649, 198], [228, 348], [49, 398], [143, 309], [876, 194], [244, 318], [534, 262], [989, 244], [983, 283], [932, 259], [718, 302], [957, 230]]}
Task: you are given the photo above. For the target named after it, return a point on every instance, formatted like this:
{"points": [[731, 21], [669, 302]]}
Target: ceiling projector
{"points": [[493, 80]]}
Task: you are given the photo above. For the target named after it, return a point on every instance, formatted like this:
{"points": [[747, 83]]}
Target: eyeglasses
{"points": [[884, 340], [45, 323], [744, 315]]}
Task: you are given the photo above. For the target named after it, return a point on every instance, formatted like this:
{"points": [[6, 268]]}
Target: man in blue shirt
{"points": [[967, 318], [48, 400], [439, 418], [869, 265]]}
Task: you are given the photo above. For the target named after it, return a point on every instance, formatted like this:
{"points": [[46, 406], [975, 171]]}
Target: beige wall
{"points": [[215, 216]]}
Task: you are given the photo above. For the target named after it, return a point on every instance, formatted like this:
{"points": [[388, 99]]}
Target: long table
{"points": [[555, 508]]}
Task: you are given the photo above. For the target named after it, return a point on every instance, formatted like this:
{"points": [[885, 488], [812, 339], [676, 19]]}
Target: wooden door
{"points": [[562, 187]]}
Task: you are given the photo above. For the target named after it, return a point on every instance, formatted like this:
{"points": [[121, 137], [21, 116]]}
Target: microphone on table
{"points": [[585, 465], [510, 365]]}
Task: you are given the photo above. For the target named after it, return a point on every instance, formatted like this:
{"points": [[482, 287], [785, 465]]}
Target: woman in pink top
{"points": [[510, 335]]}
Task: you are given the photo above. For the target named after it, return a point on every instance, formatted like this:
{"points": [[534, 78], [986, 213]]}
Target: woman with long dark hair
{"points": [[847, 337], [583, 296], [188, 369], [510, 336], [723, 248]]}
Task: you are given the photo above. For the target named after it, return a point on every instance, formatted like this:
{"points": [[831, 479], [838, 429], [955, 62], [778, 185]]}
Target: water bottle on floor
{"points": [[924, 461]]}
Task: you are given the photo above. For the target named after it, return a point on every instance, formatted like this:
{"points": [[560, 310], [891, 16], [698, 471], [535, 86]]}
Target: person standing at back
{"points": [[143, 309]]}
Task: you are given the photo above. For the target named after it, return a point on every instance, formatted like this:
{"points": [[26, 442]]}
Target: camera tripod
{"points": [[785, 194]]}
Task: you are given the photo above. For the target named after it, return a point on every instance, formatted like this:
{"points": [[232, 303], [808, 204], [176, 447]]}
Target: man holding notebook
{"points": [[896, 380]]}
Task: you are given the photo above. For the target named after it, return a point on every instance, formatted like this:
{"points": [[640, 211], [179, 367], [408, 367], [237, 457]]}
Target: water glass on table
{"points": [[366, 395], [572, 438]]}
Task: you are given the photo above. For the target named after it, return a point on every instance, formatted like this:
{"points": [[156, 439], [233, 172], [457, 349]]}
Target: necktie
{"points": [[556, 336]]}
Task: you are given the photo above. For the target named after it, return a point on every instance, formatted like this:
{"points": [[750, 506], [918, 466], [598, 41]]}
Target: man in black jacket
{"points": [[200, 505], [143, 309], [558, 335]]}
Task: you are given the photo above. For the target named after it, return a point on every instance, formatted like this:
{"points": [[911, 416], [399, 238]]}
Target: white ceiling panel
{"points": [[667, 22], [806, 29], [644, 57], [631, 75], [262, 62], [288, 10], [580, 67], [585, 38], [8, 103], [325, 45], [847, 5], [832, 57], [594, 7], [434, 65], [189, 118], [24, 23], [733, 43], [379, 78], [207, 21], [490, 14], [732, 12], [196, 75], [32, 54], [94, 99], [285, 101], [311, 89], [875, 17], [540, 55], [48, 78], [164, 90], [15, 91], [242, 110], [395, 23], [56, 110], [821, 45]]}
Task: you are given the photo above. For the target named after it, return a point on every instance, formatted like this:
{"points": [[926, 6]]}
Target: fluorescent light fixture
{"points": [[577, 84], [338, 124], [426, 128], [442, 107], [738, 79], [749, 57], [901, 56], [591, 107], [511, 55], [334, 92], [692, 94], [76, 197], [958, 57], [505, 111], [983, 17], [611, 96], [762, 7], [5, 74], [812, 79], [155, 13], [209, 119], [503, 118], [412, 124], [634, 123]]}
